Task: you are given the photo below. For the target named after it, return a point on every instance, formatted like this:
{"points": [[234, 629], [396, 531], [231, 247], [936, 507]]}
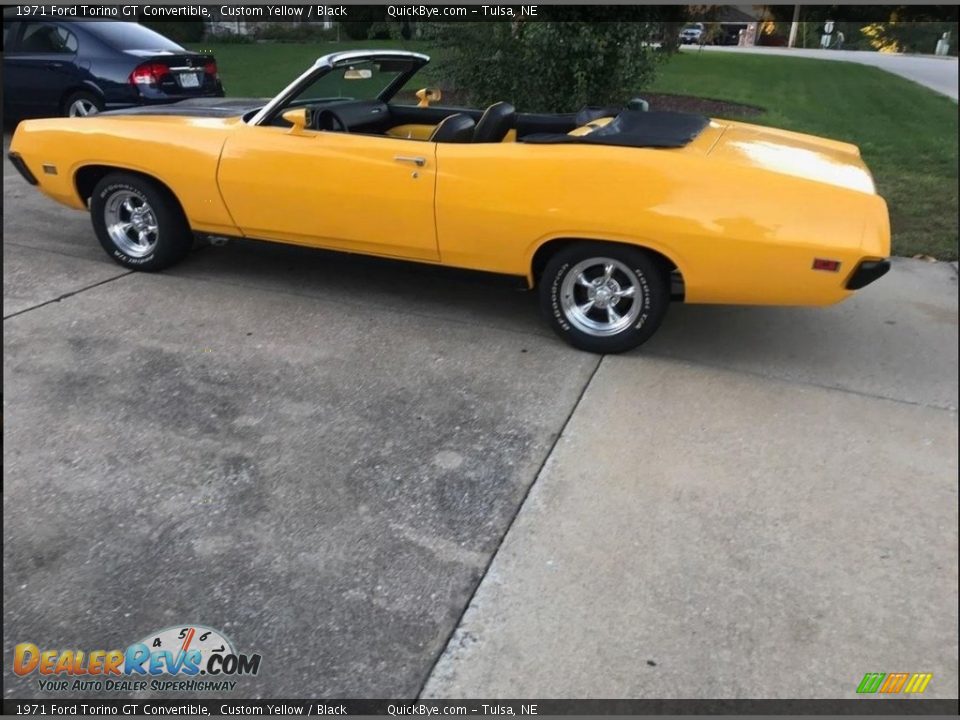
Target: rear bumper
{"points": [[866, 272]]}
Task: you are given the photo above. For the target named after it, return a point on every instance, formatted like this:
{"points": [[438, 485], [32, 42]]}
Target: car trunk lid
{"points": [[826, 161]]}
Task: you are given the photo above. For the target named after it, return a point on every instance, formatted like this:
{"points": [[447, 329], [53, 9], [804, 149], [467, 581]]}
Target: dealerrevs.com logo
{"points": [[182, 658]]}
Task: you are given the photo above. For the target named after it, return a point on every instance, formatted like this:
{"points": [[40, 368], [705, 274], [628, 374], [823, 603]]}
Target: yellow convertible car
{"points": [[610, 213]]}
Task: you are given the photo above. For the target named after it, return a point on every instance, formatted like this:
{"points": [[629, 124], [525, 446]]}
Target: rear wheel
{"points": [[139, 223], [81, 104], [604, 298]]}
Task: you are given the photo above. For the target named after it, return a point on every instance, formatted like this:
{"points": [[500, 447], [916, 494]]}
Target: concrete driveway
{"points": [[937, 73], [355, 468]]}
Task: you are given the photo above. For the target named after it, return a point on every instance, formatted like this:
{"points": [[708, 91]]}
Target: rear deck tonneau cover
{"points": [[635, 128]]}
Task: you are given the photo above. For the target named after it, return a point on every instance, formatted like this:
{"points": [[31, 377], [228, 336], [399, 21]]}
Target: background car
{"points": [[691, 34], [75, 68]]}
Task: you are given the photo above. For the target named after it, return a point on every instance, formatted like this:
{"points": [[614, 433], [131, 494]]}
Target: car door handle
{"points": [[52, 64], [418, 161]]}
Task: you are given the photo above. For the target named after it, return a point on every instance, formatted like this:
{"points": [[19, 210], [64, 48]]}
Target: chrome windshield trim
{"points": [[325, 64]]}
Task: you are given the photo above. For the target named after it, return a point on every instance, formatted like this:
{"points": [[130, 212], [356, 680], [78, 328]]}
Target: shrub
{"points": [[180, 31], [288, 32], [225, 37], [364, 21], [356, 30], [547, 66]]}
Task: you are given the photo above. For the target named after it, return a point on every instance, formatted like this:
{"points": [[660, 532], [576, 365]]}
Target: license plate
{"points": [[189, 80]]}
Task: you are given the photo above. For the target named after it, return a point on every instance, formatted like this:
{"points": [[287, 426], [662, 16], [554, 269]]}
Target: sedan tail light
{"points": [[150, 73], [210, 67]]}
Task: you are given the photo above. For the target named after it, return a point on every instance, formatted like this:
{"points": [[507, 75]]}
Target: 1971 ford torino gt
{"points": [[609, 212]]}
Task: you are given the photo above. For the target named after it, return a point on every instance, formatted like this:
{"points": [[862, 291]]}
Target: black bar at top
{"points": [[472, 11]]}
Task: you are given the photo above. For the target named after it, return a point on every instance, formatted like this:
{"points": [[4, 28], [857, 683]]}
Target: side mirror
{"points": [[297, 119], [427, 95]]}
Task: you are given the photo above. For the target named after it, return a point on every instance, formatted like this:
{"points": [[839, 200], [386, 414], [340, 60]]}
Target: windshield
{"points": [[131, 36], [361, 80]]}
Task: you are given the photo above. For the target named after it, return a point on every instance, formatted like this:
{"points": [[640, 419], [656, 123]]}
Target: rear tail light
{"points": [[210, 68], [149, 74]]}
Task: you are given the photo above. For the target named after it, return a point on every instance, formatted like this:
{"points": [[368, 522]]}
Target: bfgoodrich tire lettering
{"points": [[139, 223], [604, 297]]}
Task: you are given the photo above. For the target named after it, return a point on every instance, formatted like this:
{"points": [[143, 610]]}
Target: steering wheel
{"points": [[329, 120]]}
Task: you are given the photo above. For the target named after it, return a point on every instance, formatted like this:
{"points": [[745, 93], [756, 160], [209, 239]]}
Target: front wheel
{"points": [[139, 223], [604, 298]]}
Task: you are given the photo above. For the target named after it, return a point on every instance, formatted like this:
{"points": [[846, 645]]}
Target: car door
{"points": [[363, 193], [40, 68]]}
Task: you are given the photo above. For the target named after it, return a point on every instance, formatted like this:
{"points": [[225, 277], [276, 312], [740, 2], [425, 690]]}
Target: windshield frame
{"points": [[329, 63]]}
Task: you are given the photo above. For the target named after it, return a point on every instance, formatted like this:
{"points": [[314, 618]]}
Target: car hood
{"points": [[198, 107]]}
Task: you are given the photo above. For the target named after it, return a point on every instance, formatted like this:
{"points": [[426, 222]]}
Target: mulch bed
{"points": [[699, 105]]}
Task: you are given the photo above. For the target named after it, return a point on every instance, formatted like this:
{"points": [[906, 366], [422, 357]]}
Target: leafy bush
{"points": [[547, 66], [365, 22], [287, 32], [180, 31], [911, 37], [225, 37], [356, 30]]}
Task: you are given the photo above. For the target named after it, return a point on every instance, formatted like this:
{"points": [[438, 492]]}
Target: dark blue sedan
{"points": [[84, 67]]}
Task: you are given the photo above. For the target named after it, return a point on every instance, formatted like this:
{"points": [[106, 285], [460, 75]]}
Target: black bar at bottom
{"points": [[426, 708]]}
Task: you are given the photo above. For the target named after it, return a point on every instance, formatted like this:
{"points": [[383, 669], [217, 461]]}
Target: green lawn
{"points": [[263, 70], [907, 134]]}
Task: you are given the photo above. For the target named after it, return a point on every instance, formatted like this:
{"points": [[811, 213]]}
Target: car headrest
{"points": [[456, 128], [496, 122]]}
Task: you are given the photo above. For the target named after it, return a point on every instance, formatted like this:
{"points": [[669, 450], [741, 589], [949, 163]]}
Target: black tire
{"points": [[82, 103], [635, 314], [172, 239]]}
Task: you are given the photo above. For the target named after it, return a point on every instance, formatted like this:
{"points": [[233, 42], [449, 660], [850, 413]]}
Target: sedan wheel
{"points": [[82, 104], [604, 297], [82, 107]]}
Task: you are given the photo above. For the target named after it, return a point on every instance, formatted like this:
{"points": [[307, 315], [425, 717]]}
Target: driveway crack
{"points": [[67, 295], [513, 519]]}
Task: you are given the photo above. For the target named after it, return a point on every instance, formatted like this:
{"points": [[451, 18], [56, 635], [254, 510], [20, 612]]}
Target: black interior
{"points": [[636, 128], [456, 128], [629, 128], [496, 122], [374, 117]]}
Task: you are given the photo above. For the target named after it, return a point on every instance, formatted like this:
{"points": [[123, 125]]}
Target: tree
{"points": [[547, 66]]}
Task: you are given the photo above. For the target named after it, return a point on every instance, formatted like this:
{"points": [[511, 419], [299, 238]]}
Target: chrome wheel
{"points": [[81, 107], [131, 223], [601, 296]]}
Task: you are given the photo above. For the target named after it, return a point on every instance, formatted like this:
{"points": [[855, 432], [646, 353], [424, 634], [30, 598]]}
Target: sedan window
{"points": [[46, 38]]}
